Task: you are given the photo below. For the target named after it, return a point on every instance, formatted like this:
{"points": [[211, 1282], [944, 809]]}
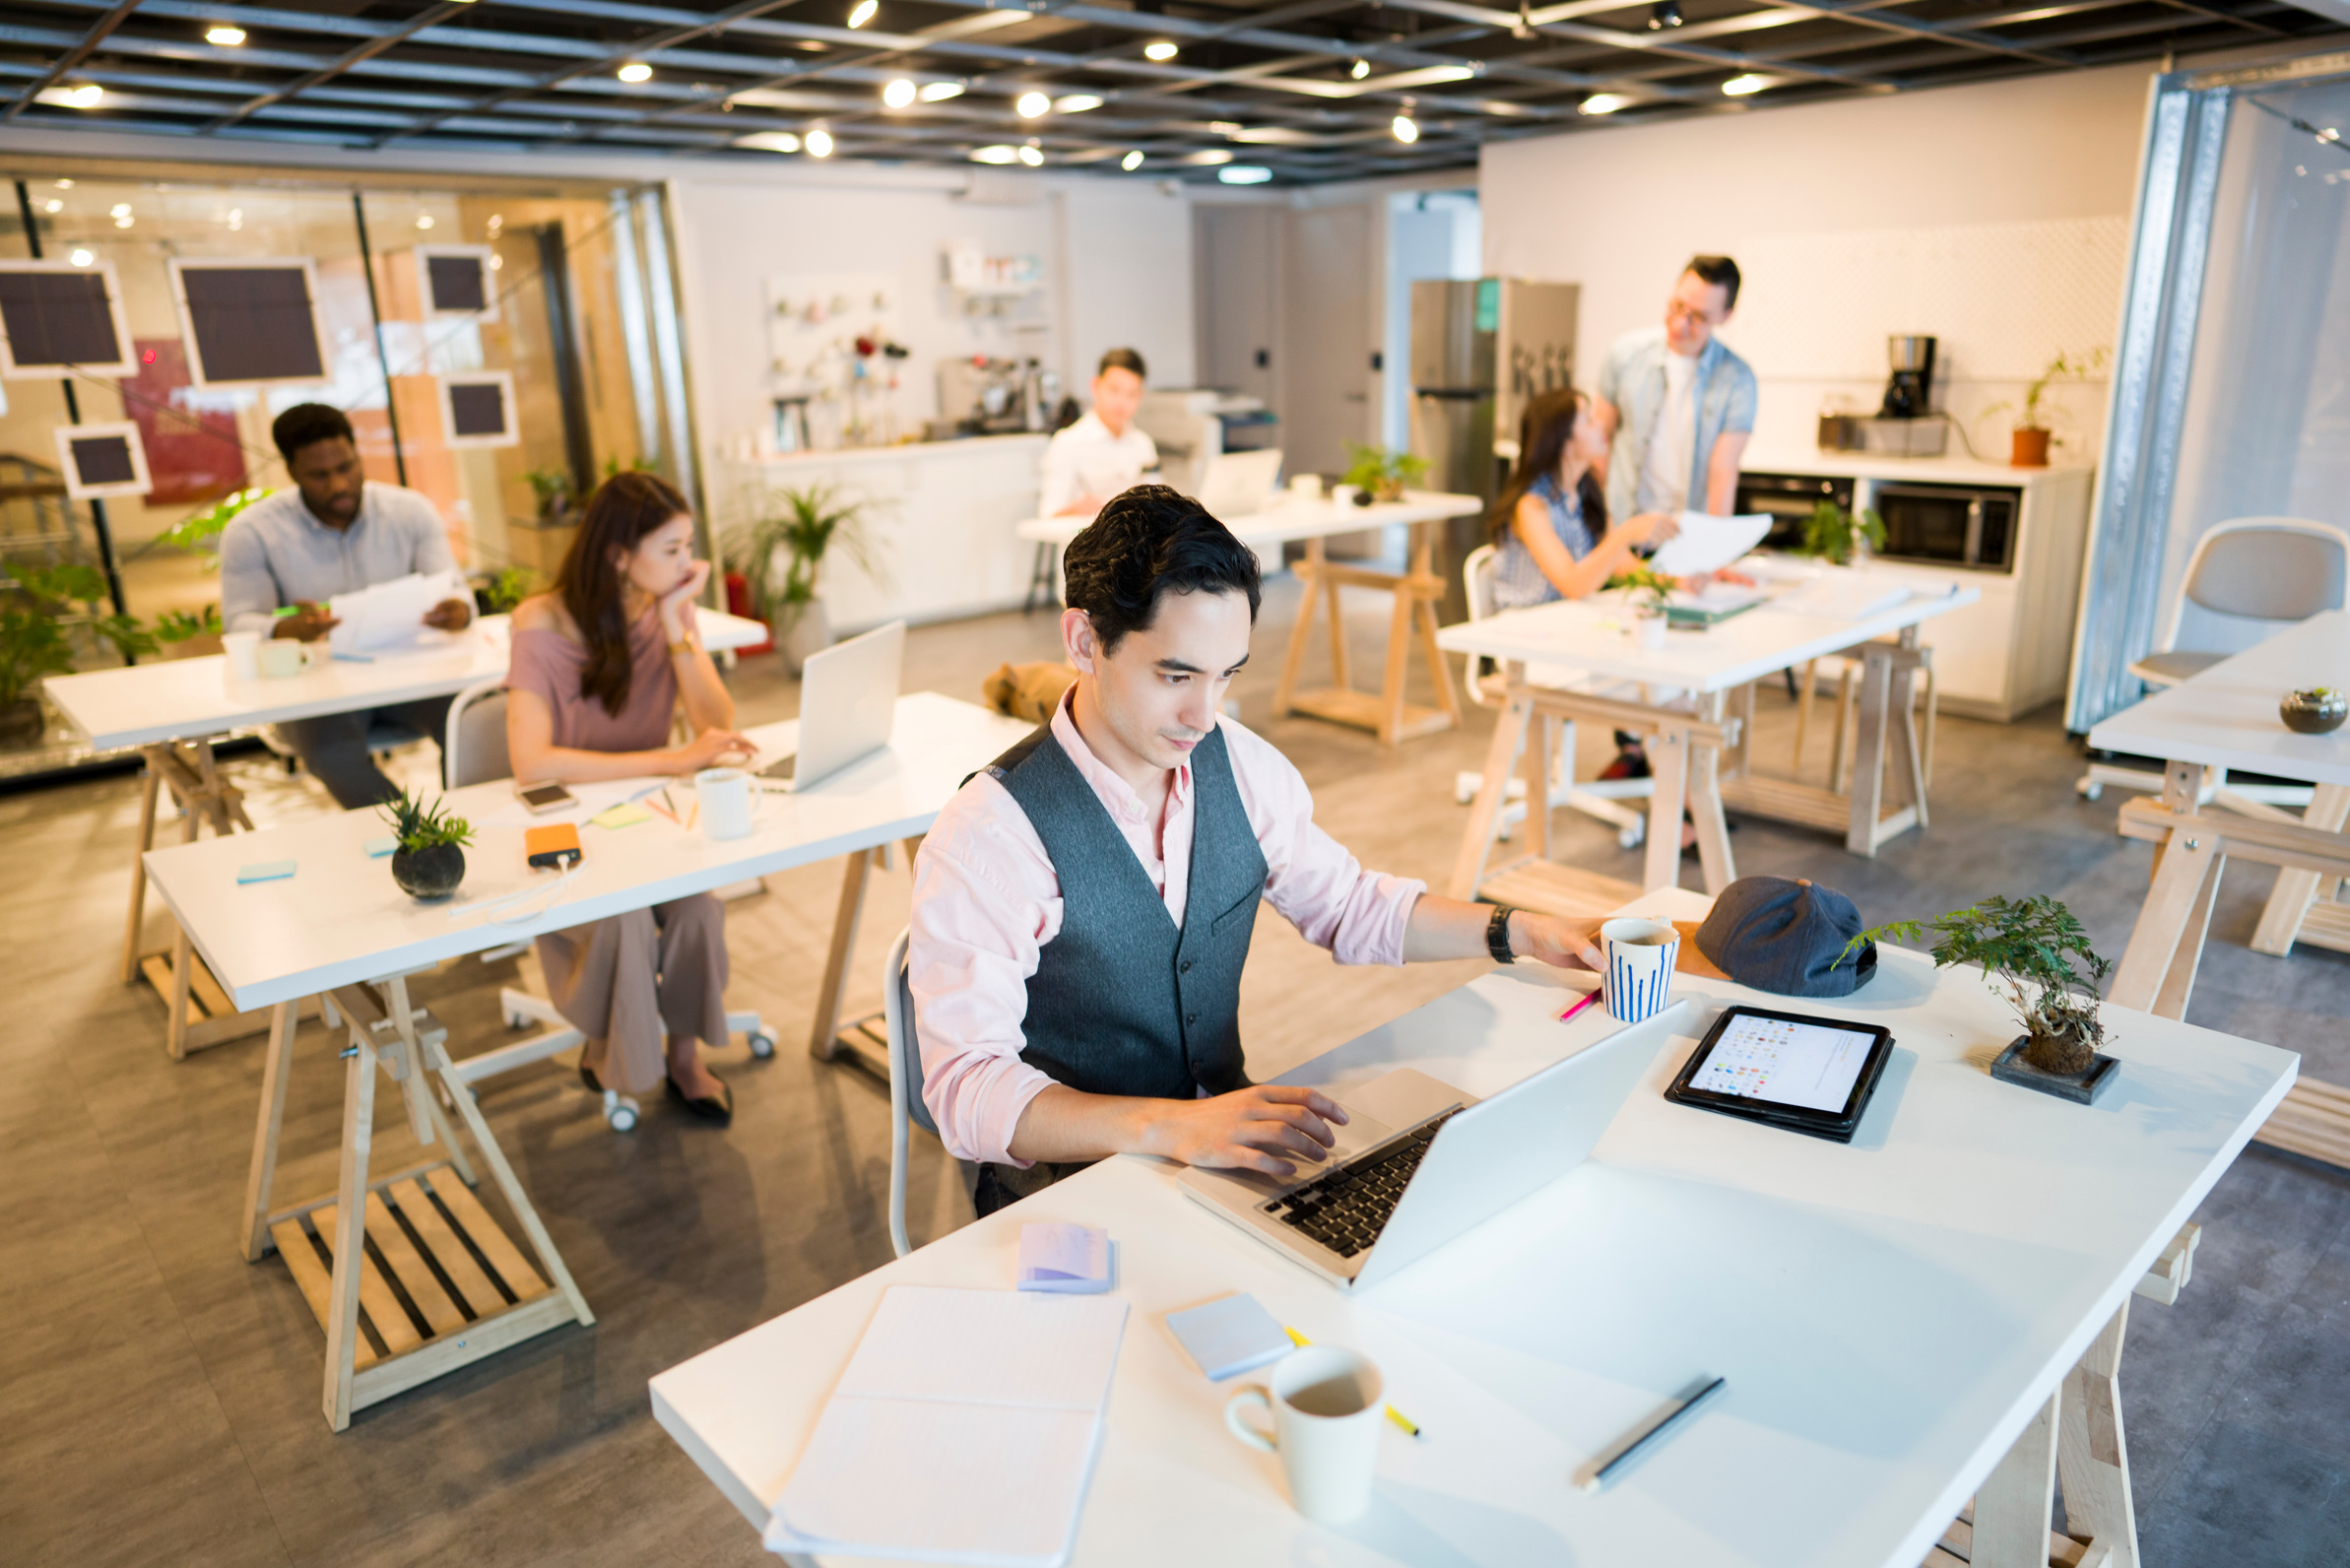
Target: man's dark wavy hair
{"points": [[1145, 542]]}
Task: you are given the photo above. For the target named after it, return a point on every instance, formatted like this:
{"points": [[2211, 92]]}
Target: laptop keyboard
{"points": [[1346, 1210]]}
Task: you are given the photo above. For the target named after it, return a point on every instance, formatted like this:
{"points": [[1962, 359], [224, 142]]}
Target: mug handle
{"points": [[1243, 1430]]}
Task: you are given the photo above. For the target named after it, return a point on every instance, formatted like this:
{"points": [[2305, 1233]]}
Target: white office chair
{"points": [[1597, 798], [473, 752], [2249, 578], [906, 1085]]}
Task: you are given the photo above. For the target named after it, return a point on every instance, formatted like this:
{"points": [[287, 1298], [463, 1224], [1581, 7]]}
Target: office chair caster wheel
{"points": [[1631, 838], [762, 1045], [2089, 791], [620, 1112]]}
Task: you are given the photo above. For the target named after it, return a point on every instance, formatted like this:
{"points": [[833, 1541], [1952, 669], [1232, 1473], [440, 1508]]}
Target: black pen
{"points": [[1653, 1434]]}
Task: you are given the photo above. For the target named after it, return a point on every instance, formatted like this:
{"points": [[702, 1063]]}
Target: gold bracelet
{"points": [[685, 644]]}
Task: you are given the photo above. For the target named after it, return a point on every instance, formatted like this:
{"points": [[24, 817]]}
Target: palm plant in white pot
{"points": [[781, 554]]}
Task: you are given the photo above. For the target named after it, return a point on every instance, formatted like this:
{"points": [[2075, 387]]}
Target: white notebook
{"points": [[963, 1431]]}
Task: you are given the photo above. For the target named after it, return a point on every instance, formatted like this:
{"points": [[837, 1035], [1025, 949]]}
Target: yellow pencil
{"points": [[1392, 1415]]}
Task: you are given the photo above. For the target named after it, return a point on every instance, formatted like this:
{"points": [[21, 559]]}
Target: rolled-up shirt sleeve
{"points": [[985, 904], [1310, 878]]}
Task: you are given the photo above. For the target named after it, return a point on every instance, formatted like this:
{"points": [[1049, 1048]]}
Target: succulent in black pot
{"points": [[2316, 710], [430, 859]]}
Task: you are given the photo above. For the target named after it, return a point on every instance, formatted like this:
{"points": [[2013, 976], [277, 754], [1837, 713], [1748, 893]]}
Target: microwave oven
{"points": [[1787, 500], [1950, 525]]}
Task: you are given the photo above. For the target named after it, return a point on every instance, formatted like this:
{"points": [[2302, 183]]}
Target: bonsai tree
{"points": [[1832, 534], [2036, 952], [1380, 473]]}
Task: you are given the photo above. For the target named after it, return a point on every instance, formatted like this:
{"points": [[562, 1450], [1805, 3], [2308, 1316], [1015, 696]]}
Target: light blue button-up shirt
{"points": [[274, 551], [1633, 379]]}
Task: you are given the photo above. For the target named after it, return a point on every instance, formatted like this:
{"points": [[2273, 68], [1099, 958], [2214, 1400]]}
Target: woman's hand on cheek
{"points": [[676, 605]]}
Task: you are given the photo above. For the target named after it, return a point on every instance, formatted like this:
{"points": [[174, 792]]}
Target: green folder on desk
{"points": [[1711, 607]]}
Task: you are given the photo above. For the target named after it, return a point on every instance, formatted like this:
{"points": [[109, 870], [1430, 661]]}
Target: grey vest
{"points": [[1123, 1001]]}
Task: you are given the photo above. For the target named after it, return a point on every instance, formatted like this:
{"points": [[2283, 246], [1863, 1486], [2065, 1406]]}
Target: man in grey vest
{"points": [[1083, 908]]}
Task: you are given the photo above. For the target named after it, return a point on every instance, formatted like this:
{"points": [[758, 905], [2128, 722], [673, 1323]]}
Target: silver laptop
{"points": [[848, 703], [1422, 1162], [1240, 483]]}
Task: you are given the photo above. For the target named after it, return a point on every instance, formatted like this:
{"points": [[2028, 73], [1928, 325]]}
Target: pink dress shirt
{"points": [[986, 901]]}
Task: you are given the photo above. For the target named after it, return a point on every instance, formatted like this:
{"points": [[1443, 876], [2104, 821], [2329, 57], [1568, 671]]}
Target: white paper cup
{"points": [[242, 649], [1327, 1405], [726, 800], [277, 657], [1640, 956]]}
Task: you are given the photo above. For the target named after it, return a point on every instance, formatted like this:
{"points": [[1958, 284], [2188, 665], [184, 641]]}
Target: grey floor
{"points": [[159, 1396]]}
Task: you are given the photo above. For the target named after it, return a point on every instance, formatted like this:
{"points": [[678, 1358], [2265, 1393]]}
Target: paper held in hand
{"points": [[389, 617], [1707, 543]]}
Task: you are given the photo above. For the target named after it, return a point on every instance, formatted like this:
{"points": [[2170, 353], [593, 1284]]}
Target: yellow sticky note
{"points": [[625, 815]]}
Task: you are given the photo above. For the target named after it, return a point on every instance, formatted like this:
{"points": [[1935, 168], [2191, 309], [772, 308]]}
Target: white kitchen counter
{"points": [[1947, 470], [941, 515]]}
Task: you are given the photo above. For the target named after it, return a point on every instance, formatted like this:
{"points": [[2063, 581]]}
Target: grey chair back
{"points": [[906, 1108], [475, 749], [2250, 577]]}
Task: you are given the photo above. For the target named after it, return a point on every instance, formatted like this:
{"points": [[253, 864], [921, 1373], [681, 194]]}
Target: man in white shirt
{"points": [[1105, 451]]}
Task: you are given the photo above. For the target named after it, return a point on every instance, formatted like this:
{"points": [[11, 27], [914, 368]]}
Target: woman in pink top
{"points": [[599, 666]]}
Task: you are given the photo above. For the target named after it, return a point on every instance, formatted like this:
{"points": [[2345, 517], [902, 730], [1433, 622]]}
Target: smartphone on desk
{"points": [[544, 798]]}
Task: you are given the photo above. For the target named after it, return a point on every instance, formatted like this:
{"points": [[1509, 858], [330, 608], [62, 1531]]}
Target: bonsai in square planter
{"points": [[2037, 954], [430, 859]]}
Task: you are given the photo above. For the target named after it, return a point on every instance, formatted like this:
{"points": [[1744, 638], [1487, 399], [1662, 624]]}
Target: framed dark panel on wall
{"points": [[101, 460], [456, 281], [58, 319], [477, 409], [250, 322]]}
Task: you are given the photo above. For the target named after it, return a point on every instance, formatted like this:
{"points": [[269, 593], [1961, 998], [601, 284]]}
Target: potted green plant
{"points": [[2313, 711], [430, 859], [1379, 474], [34, 643], [31, 647], [2031, 439], [201, 531], [1837, 537], [499, 593], [553, 490], [2038, 956], [780, 555], [1649, 593]]}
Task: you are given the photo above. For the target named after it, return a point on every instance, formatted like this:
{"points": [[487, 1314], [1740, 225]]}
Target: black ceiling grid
{"points": [[1307, 91]]}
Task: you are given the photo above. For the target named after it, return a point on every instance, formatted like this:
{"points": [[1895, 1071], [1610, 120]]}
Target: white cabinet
{"points": [[2010, 653]]}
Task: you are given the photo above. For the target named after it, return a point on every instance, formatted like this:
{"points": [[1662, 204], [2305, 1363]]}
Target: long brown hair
{"points": [[1544, 432], [624, 508]]}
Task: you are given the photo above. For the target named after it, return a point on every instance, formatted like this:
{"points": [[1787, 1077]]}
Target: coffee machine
{"points": [[1911, 390]]}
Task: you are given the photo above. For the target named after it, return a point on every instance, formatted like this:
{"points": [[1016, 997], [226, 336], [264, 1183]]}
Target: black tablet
{"points": [[1807, 1075]]}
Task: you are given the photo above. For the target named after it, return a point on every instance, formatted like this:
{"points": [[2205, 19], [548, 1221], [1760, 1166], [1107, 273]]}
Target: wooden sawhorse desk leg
{"points": [[1384, 714], [467, 1311], [860, 1041], [2290, 907], [2077, 1434]]}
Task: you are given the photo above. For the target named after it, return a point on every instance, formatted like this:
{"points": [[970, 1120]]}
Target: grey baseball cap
{"points": [[1787, 935]]}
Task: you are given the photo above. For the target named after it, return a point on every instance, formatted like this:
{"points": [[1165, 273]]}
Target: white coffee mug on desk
{"points": [[1327, 1406], [727, 797], [279, 658], [1640, 956], [243, 649]]}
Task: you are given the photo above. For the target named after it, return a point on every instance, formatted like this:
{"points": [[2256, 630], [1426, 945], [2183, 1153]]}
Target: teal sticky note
{"points": [[262, 871], [377, 848]]}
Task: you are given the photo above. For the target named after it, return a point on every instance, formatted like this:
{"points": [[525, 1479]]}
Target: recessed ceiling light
{"points": [[940, 91], [1664, 13], [995, 154], [1031, 105], [1740, 86], [1076, 103], [1406, 129], [864, 11], [636, 71], [1360, 69], [1213, 155], [119, 210], [81, 258], [1031, 156], [1226, 127], [52, 205], [1161, 49], [898, 94], [1603, 103], [820, 143], [83, 97], [423, 220], [226, 38], [1130, 162], [1244, 173], [770, 141]]}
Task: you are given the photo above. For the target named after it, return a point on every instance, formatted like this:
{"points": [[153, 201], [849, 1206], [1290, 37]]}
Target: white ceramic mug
{"points": [[278, 657], [1327, 1405], [726, 800], [1640, 956], [1344, 495], [243, 649], [1306, 487]]}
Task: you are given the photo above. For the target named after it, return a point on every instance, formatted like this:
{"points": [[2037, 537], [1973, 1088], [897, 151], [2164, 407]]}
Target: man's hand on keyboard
{"points": [[1263, 1128]]}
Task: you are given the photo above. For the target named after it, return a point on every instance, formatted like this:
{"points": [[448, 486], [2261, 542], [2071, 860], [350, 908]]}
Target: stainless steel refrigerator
{"points": [[1480, 349]]}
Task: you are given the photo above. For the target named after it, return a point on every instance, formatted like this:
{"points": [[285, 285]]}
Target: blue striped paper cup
{"points": [[1640, 956]]}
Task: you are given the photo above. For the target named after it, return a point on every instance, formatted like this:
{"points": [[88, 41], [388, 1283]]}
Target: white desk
{"points": [[340, 929], [2226, 717], [172, 709], [1595, 638], [1416, 590], [1891, 1316]]}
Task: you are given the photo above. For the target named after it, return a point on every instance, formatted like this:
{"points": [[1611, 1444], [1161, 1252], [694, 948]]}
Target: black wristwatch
{"points": [[1497, 935]]}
